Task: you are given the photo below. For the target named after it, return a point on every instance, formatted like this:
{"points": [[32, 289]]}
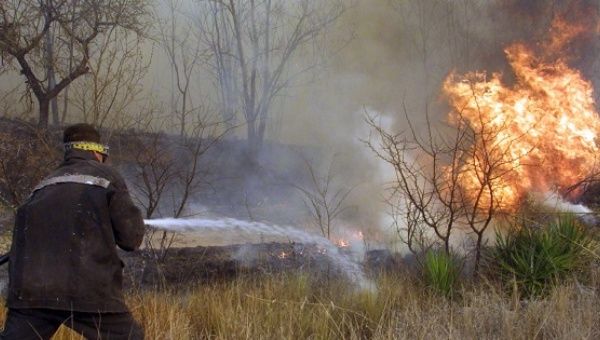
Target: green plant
{"points": [[441, 271], [533, 259]]}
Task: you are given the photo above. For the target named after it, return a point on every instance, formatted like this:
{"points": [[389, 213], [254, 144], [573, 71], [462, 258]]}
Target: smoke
{"points": [[400, 54], [393, 67]]}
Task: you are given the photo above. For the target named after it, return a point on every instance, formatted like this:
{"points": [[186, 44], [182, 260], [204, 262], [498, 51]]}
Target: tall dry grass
{"points": [[294, 307]]}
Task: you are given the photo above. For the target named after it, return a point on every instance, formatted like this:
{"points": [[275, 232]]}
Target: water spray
{"points": [[554, 201], [351, 269]]}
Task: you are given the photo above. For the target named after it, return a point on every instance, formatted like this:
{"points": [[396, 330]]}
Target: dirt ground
{"points": [[211, 238]]}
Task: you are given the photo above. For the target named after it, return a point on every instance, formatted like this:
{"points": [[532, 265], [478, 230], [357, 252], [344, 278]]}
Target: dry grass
{"points": [[293, 307]]}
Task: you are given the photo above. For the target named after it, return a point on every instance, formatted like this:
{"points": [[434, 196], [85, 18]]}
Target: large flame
{"points": [[542, 129]]}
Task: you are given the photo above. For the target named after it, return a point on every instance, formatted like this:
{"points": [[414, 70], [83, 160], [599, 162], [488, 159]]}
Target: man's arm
{"points": [[126, 218]]}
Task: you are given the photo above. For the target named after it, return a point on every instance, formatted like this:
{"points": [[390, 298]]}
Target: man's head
{"points": [[85, 137]]}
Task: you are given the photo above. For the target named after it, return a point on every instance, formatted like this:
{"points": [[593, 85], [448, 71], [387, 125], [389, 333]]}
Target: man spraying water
{"points": [[64, 267]]}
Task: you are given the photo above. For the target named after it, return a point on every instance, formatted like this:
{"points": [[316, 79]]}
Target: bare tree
{"points": [[71, 28], [254, 44], [50, 72], [324, 201], [191, 176], [426, 185], [453, 178], [169, 173], [217, 35], [405, 220], [113, 84], [488, 168]]}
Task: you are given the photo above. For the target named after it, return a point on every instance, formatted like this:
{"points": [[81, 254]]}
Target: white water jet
{"points": [[554, 201], [351, 269]]}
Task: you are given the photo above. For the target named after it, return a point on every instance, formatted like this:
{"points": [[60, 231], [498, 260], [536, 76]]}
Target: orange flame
{"points": [[544, 127], [355, 236], [342, 243]]}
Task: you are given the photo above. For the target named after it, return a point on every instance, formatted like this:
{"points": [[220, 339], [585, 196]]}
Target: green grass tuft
{"points": [[534, 259], [441, 271]]}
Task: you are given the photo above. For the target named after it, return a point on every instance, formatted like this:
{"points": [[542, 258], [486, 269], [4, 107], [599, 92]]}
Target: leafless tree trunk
{"points": [[184, 54], [50, 74], [217, 35], [258, 40]]}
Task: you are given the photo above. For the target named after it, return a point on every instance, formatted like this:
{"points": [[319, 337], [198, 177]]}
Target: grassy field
{"points": [[293, 307]]}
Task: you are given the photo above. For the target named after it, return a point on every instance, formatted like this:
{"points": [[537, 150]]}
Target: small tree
{"points": [[168, 173], [324, 201], [425, 189]]}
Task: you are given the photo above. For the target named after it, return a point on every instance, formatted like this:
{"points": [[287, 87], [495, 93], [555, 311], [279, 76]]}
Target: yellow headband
{"points": [[87, 146]]}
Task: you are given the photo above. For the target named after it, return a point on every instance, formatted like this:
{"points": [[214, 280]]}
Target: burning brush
{"points": [[543, 130]]}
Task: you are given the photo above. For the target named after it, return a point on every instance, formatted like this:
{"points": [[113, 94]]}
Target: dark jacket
{"points": [[63, 254]]}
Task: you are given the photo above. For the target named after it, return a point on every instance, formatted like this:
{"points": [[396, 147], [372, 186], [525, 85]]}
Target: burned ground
{"points": [[188, 267]]}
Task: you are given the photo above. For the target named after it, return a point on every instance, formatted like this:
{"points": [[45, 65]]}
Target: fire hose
{"points": [[4, 258]]}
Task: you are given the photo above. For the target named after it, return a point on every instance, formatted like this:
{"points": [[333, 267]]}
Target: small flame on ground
{"points": [[352, 238], [342, 243]]}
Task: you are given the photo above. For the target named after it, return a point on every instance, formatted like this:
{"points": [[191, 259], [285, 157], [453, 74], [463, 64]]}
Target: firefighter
{"points": [[64, 268]]}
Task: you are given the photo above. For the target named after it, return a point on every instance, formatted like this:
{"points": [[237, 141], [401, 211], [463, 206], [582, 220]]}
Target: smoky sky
{"points": [[398, 57], [401, 52]]}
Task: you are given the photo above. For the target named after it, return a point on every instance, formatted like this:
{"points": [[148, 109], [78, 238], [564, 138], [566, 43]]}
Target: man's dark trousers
{"points": [[34, 324]]}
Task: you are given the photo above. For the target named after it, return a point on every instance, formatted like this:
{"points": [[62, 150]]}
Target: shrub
{"points": [[441, 271], [27, 155], [533, 259]]}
